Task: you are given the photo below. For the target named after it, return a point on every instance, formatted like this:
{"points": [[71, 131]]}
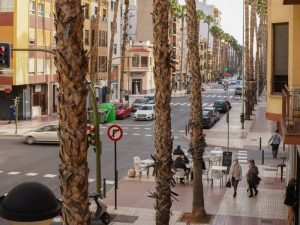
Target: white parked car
{"points": [[46, 134], [145, 112]]}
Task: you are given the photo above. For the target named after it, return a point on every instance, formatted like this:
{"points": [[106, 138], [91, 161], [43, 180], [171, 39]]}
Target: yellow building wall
{"points": [[279, 13], [21, 24], [7, 34]]}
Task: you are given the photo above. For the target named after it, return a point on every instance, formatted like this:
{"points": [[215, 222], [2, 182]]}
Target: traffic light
{"points": [[4, 55], [91, 134]]}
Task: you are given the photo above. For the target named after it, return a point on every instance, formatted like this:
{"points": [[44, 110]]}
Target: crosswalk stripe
{"points": [[50, 175], [13, 173], [147, 128], [183, 103], [204, 104], [211, 104], [176, 103], [110, 182], [135, 134], [148, 135], [91, 180], [125, 133], [243, 161], [136, 128], [242, 157], [31, 174]]}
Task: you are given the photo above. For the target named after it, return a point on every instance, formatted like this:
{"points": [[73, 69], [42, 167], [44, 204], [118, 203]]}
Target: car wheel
{"points": [[30, 140], [124, 116], [105, 218]]}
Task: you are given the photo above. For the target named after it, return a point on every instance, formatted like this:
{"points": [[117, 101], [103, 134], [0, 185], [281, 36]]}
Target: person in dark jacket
{"points": [[179, 164], [180, 152], [291, 200], [252, 178], [12, 113]]}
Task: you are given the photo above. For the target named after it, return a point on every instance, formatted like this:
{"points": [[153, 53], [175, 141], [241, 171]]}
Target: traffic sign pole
{"points": [[115, 133]]}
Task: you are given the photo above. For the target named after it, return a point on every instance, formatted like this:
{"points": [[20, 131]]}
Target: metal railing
{"points": [[291, 109]]}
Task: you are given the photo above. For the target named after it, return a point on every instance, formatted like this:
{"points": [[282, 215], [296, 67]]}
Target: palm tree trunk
{"points": [[251, 50], [111, 46], [195, 122], [247, 65], [125, 35], [72, 64], [163, 141], [207, 66], [181, 53]]}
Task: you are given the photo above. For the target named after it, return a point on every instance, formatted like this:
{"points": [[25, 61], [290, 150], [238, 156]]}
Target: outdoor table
{"points": [[220, 168]]}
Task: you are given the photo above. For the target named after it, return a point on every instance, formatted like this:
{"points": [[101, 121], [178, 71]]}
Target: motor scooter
{"points": [[101, 211]]}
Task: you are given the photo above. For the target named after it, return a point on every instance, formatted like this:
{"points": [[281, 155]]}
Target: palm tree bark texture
{"points": [[195, 122], [163, 140], [125, 35], [72, 63], [111, 48]]}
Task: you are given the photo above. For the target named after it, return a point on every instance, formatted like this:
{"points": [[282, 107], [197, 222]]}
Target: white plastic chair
{"points": [[138, 166], [180, 174], [217, 175]]}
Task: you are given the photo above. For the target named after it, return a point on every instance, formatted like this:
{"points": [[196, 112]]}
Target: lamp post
{"points": [[243, 72]]}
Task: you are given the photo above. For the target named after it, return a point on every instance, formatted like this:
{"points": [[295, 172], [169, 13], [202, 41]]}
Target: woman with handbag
{"points": [[235, 173]]}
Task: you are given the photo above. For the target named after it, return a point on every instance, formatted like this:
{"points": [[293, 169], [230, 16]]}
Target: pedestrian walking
{"points": [[275, 142], [12, 113], [235, 173], [291, 200], [252, 178]]}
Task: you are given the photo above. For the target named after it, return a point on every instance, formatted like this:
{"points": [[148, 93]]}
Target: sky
{"points": [[231, 17]]}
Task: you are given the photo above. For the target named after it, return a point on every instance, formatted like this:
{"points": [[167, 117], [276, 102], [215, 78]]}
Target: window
{"points": [[40, 66], [144, 61], [40, 9], [111, 25], [93, 38], [96, 11], [103, 63], [31, 65], [130, 26], [32, 7], [136, 60], [104, 15], [86, 11], [103, 38], [31, 36], [86, 37], [112, 5], [6, 5], [280, 56], [115, 48]]}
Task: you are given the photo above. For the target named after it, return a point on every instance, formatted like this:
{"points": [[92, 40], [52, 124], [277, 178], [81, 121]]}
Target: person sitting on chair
{"points": [[180, 164], [180, 152]]}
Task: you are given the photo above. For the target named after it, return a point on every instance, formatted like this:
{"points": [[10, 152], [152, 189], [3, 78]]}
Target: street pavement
{"points": [[19, 163]]}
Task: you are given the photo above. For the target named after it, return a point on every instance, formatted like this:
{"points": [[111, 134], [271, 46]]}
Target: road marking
{"points": [[183, 103], [148, 135], [50, 175], [182, 131], [242, 157], [1, 171], [175, 137], [125, 128], [213, 95], [147, 128], [91, 180], [181, 110], [204, 104], [103, 127], [243, 151], [208, 95], [172, 130], [31, 174], [219, 96], [13, 173], [189, 104], [243, 161], [136, 128], [125, 133], [211, 104], [230, 96], [135, 134], [110, 182], [176, 103]]}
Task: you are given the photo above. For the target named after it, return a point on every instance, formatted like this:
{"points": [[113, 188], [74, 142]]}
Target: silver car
{"points": [[45, 134]]}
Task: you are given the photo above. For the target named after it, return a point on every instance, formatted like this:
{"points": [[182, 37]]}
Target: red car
{"points": [[122, 110]]}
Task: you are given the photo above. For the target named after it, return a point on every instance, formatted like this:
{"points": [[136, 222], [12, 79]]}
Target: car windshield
{"points": [[146, 107], [207, 110], [205, 114], [118, 107], [238, 88], [140, 101], [220, 103]]}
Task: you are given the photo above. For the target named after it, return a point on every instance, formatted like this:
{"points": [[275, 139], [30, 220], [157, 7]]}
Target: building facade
{"points": [[139, 63], [283, 80], [29, 24]]}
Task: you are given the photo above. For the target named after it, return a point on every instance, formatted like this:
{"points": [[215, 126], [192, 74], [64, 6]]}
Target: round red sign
{"points": [[114, 132]]}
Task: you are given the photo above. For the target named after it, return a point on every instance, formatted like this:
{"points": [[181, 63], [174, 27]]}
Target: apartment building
{"points": [[139, 63], [283, 80], [32, 76], [203, 56]]}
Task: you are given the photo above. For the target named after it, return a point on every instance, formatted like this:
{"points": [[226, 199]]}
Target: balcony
{"points": [[290, 121], [291, 2]]}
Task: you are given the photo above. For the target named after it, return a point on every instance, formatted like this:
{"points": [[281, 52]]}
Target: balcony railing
{"points": [[291, 110]]}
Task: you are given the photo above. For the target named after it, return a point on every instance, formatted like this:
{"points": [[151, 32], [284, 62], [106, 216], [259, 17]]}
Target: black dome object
{"points": [[29, 202]]}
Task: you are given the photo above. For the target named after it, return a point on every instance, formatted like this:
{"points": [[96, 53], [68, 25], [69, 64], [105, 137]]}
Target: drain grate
{"points": [[123, 218], [268, 221]]}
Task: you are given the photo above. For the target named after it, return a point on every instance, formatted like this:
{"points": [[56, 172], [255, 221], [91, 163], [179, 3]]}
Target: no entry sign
{"points": [[115, 132]]}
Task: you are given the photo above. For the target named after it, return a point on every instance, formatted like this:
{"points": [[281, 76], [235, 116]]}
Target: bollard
{"points": [[263, 157], [104, 187], [260, 143], [186, 130]]}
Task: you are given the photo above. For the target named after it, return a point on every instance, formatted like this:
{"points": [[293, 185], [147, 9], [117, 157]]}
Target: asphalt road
{"points": [[20, 162]]}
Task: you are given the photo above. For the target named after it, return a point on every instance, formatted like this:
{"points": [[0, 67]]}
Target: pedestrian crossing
{"points": [[242, 156]]}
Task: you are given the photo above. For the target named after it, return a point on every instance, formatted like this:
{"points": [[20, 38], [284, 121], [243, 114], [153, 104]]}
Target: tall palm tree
{"points": [[200, 17], [163, 140], [125, 35], [72, 64], [111, 47], [195, 122], [247, 63], [208, 20], [216, 31], [251, 50]]}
